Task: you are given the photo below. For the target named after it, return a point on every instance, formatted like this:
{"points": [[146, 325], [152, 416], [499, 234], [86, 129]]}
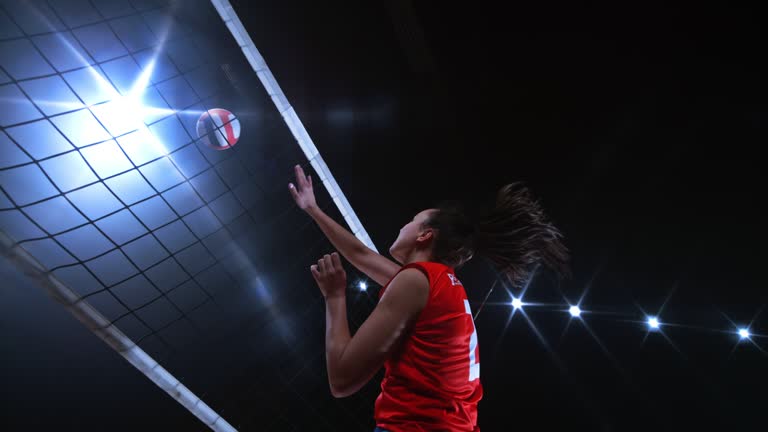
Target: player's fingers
{"points": [[294, 193], [329, 264], [300, 178], [310, 181], [336, 260], [321, 266], [314, 271]]}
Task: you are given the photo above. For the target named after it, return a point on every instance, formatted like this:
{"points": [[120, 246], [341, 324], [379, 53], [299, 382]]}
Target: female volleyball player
{"points": [[422, 330]]}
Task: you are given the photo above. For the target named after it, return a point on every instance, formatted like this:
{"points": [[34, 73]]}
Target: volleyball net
{"points": [[191, 261]]}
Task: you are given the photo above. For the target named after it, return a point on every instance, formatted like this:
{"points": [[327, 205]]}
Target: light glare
{"points": [[653, 322]]}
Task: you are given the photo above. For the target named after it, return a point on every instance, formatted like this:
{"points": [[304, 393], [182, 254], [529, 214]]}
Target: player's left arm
{"points": [[353, 361]]}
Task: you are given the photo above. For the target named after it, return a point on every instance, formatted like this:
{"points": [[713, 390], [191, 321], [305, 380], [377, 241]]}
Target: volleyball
{"points": [[218, 129]]}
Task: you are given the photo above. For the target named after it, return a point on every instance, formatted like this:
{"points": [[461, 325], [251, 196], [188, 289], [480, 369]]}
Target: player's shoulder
{"points": [[408, 291], [408, 282], [413, 276]]}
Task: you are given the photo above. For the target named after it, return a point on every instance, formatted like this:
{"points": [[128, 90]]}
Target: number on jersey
{"points": [[474, 365]]}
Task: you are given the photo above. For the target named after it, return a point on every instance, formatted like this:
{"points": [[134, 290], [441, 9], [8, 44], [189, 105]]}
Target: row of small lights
{"points": [[652, 321]]}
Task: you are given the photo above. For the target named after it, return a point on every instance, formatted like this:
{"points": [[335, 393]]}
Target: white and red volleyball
{"points": [[218, 128]]}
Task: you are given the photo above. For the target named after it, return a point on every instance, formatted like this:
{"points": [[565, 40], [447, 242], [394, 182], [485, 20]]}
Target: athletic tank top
{"points": [[432, 382]]}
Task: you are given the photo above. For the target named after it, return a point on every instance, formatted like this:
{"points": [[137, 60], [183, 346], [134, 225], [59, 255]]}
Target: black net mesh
{"points": [[197, 254]]}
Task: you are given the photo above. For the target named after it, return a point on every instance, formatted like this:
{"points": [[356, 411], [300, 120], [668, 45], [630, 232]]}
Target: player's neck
{"points": [[418, 256]]}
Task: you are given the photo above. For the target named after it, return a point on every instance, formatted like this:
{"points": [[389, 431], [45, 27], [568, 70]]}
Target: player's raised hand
{"points": [[330, 276], [303, 193]]}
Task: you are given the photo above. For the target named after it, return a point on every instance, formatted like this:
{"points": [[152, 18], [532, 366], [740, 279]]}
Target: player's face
{"points": [[408, 238]]}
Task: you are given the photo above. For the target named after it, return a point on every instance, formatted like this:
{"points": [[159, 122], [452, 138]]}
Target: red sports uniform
{"points": [[432, 383]]}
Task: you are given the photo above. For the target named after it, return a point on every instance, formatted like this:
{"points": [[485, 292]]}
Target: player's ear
{"points": [[426, 234]]}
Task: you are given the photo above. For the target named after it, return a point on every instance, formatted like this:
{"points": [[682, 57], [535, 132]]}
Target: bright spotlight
{"points": [[363, 286], [653, 322], [744, 333], [517, 303], [575, 311]]}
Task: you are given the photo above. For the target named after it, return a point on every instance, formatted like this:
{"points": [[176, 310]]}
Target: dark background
{"points": [[640, 130]]}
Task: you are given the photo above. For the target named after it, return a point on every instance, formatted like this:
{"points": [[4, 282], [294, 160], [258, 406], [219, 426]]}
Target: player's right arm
{"points": [[376, 266]]}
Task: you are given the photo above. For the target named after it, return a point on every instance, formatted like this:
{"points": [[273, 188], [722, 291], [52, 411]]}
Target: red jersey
{"points": [[432, 382]]}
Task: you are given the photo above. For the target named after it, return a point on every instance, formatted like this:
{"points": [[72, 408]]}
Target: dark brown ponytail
{"points": [[514, 236]]}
